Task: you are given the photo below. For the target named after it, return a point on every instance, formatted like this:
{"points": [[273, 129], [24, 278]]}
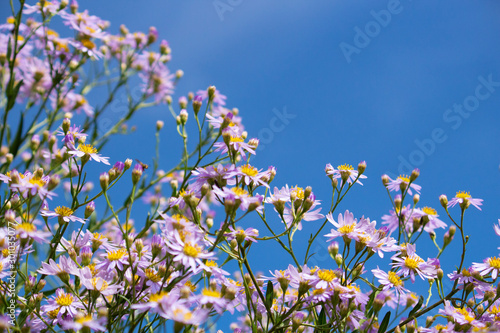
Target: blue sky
{"points": [[390, 103]]}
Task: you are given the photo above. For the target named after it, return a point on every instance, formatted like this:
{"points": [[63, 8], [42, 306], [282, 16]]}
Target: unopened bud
{"points": [[104, 180], [179, 73], [440, 274], [429, 321], [72, 253], [210, 222], [66, 125], [385, 180], [361, 167], [414, 175], [338, 259], [443, 199], [183, 115], [136, 173], [416, 199], [89, 209], [159, 125], [127, 164], [197, 102], [211, 93], [397, 202]]}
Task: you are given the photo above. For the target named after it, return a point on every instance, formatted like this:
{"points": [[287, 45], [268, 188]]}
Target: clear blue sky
{"points": [[389, 92]]}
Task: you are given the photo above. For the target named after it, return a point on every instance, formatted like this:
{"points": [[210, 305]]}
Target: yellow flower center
{"points": [[84, 319], [116, 255], [249, 170], [63, 211], [237, 139], [157, 297], [299, 192], [345, 229], [152, 275], [465, 272], [64, 299], [462, 195], [494, 262], [187, 315], [326, 275], [37, 181], [413, 261], [394, 279], [53, 314], [190, 285], [5, 252], [318, 291], [429, 211], [87, 43], [28, 227], [192, 250], [466, 314], [51, 32], [211, 293], [92, 269], [211, 263], [404, 178], [494, 310], [238, 191], [345, 167], [96, 280], [87, 149], [11, 20], [98, 236]]}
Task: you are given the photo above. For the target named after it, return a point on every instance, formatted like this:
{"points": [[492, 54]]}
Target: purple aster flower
{"points": [[490, 265], [344, 171], [402, 182], [90, 152], [66, 303], [63, 213], [464, 200], [389, 280]]}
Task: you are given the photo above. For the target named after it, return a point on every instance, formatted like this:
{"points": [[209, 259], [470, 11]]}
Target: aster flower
{"points": [[82, 322], [410, 263], [237, 144], [101, 284], [432, 215], [464, 198], [462, 316], [238, 197], [490, 265], [188, 250], [241, 235], [406, 214], [403, 181], [75, 132], [29, 230], [62, 269], [220, 176], [114, 259], [211, 298], [179, 313], [389, 280], [66, 303], [346, 172], [218, 98], [346, 226], [251, 176], [63, 214], [90, 152], [158, 302]]}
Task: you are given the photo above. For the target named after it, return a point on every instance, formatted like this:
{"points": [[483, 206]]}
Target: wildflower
{"points": [[88, 152], [63, 213], [411, 263], [464, 200], [251, 176], [403, 182], [188, 251], [462, 316], [491, 264], [82, 322], [29, 230], [64, 303], [345, 172], [346, 226], [432, 216], [220, 176], [241, 235], [62, 269], [389, 280], [114, 259]]}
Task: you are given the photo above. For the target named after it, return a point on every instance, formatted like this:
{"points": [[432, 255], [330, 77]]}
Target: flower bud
{"points": [[10, 216], [183, 102], [183, 116], [385, 180], [452, 230], [41, 284], [338, 259], [159, 125], [104, 180], [72, 253], [416, 199], [86, 255], [429, 321], [9, 158], [127, 164], [179, 73], [66, 125], [440, 274], [35, 142], [136, 173], [210, 222], [397, 201], [414, 174], [211, 93], [204, 189], [197, 102], [444, 201], [361, 167]]}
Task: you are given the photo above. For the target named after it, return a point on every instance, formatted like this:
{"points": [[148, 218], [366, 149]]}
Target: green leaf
{"points": [[417, 307], [269, 294], [12, 95], [17, 140], [385, 322], [321, 320]]}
